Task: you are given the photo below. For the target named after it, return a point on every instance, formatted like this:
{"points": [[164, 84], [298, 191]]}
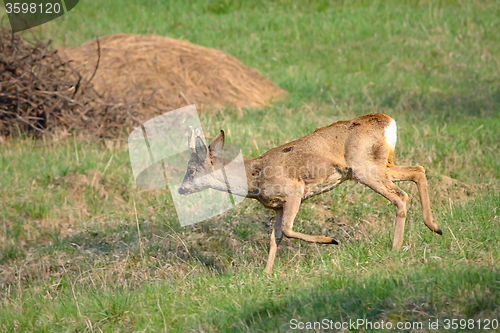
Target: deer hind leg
{"points": [[276, 237], [290, 209], [416, 175], [386, 188]]}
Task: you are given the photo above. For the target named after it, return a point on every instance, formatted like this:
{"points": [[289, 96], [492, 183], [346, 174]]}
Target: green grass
{"points": [[254, 302], [423, 55], [82, 249]]}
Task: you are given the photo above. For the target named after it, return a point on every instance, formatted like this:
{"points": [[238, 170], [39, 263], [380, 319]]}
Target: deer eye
{"points": [[190, 172]]}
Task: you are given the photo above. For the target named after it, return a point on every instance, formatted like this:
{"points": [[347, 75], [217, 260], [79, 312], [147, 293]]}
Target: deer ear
{"points": [[217, 145], [201, 149]]}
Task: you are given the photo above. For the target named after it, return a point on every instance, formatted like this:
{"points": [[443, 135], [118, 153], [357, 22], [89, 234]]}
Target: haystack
{"points": [[158, 74], [106, 87]]}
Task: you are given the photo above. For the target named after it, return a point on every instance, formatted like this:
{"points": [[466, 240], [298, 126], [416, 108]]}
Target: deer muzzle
{"points": [[183, 191]]}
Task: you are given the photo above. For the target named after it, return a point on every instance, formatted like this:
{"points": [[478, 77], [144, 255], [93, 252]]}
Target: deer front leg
{"points": [[290, 209], [276, 237]]}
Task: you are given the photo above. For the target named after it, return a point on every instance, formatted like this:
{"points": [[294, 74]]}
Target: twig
{"points": [[98, 60]]}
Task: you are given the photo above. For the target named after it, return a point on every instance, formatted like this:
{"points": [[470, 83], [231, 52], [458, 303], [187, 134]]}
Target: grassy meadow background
{"points": [[83, 250]]}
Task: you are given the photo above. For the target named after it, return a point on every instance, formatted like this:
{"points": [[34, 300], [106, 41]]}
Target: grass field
{"points": [[83, 250]]}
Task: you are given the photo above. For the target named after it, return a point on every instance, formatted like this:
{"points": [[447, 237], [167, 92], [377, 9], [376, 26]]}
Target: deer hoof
{"points": [[333, 241]]}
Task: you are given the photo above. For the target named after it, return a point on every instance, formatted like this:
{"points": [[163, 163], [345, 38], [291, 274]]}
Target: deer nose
{"points": [[182, 190]]}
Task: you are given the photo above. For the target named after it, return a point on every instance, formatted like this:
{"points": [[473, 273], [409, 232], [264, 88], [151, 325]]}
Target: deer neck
{"points": [[230, 177]]}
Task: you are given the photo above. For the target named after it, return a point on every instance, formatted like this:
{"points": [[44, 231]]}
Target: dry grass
{"points": [[158, 74], [108, 86]]}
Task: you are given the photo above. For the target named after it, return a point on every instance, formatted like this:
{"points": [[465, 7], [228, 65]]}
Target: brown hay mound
{"points": [[105, 88], [159, 74]]}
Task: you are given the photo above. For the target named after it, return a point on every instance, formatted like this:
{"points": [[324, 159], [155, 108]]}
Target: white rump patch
{"points": [[391, 135]]}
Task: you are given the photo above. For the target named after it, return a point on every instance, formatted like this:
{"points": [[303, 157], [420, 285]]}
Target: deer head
{"points": [[202, 168]]}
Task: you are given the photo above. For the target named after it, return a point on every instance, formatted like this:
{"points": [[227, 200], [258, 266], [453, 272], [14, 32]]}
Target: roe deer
{"points": [[361, 149]]}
